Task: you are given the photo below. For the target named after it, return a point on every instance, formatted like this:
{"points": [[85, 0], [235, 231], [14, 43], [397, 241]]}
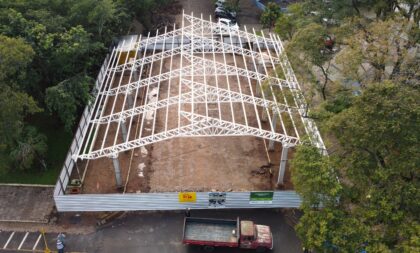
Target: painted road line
{"points": [[23, 240], [37, 241], [10, 238]]}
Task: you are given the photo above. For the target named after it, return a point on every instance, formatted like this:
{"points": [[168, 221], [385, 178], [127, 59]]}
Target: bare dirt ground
{"points": [[199, 164], [184, 164]]}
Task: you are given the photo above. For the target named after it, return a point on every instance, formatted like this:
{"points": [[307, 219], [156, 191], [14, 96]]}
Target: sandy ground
{"points": [[180, 164]]}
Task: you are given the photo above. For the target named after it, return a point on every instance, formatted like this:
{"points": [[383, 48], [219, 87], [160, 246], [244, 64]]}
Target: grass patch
{"points": [[58, 144]]}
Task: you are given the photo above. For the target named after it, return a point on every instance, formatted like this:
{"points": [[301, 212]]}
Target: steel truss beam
{"points": [[196, 95], [198, 67], [201, 44], [201, 126], [195, 45]]}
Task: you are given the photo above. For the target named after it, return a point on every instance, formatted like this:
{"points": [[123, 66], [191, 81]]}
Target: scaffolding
{"points": [[214, 69]]}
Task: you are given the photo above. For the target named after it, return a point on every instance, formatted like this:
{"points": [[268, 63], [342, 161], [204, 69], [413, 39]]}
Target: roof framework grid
{"points": [[202, 79]]}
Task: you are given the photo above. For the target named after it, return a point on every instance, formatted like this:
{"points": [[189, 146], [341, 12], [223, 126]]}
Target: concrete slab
{"points": [[25, 203]]}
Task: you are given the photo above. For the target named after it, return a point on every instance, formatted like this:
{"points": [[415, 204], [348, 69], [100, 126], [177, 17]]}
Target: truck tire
{"points": [[261, 249], [208, 248]]}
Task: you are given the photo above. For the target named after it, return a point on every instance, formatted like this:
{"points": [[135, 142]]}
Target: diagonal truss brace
{"points": [[200, 126], [197, 95], [200, 44], [201, 67]]}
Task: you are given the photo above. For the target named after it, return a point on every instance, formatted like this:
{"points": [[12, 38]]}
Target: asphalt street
{"points": [[162, 232]]}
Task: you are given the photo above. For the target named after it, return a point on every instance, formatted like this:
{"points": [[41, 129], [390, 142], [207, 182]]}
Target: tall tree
{"points": [[67, 97], [309, 43], [271, 13], [30, 149], [377, 165], [288, 24], [381, 50]]}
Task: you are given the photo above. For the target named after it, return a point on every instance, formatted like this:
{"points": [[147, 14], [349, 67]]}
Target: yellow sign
{"points": [[187, 197]]}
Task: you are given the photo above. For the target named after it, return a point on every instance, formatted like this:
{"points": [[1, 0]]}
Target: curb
{"points": [[28, 185]]}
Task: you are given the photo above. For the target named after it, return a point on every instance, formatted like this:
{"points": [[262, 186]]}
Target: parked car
{"points": [[225, 26]]}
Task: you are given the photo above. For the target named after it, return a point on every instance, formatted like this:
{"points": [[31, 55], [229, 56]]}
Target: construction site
{"points": [[202, 108]]}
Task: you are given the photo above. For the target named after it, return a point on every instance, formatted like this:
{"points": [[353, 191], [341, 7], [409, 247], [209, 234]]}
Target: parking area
{"points": [[13, 241]]}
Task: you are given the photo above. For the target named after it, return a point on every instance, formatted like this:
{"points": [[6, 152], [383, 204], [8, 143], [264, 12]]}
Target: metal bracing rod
{"points": [[137, 76], [211, 93], [158, 89], [143, 44], [146, 95], [219, 109], [117, 169], [271, 88], [259, 84], [97, 103], [192, 65], [273, 126], [281, 88], [224, 128], [206, 23], [283, 162], [228, 84], [169, 86], [211, 69], [309, 125], [117, 132], [180, 75], [111, 81], [136, 143], [197, 40], [254, 100], [228, 128], [205, 76]]}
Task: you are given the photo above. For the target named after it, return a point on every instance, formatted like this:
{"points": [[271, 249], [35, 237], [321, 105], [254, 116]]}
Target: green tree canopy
{"points": [[270, 15], [31, 148], [67, 97], [309, 44], [377, 164], [15, 57]]}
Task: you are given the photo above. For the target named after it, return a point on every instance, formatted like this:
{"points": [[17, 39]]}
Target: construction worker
{"points": [[60, 242]]}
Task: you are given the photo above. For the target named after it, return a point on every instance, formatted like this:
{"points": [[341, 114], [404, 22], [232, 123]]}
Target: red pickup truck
{"points": [[211, 233]]}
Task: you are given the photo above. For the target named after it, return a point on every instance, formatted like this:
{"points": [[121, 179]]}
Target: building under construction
{"points": [[201, 116]]}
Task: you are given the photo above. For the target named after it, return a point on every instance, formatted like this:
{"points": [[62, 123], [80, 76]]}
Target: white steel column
{"points": [[283, 162], [117, 170], [274, 124]]}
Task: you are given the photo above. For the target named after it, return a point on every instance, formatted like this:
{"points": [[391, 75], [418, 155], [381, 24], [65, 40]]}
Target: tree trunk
{"points": [[324, 85], [354, 3]]}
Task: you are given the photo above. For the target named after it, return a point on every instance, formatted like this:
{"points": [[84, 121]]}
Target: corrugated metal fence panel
{"points": [[78, 138], [165, 201]]}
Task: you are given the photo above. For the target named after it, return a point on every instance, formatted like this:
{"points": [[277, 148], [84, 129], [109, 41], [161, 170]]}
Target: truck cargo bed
{"points": [[211, 231]]}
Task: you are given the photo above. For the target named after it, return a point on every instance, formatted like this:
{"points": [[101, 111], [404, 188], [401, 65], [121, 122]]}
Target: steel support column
{"points": [[130, 100], [123, 130], [283, 162], [273, 124], [117, 170]]}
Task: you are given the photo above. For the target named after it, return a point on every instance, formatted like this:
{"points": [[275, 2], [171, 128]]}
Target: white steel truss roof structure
{"points": [[203, 79]]}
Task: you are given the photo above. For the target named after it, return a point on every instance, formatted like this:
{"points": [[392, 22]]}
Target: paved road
{"points": [[162, 232], [151, 232]]}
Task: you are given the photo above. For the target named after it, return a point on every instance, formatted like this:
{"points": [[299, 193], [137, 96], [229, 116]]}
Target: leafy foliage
{"points": [[30, 148], [67, 96], [271, 13]]}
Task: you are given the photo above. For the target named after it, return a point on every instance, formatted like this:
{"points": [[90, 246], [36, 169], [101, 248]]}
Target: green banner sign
{"points": [[261, 197]]}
